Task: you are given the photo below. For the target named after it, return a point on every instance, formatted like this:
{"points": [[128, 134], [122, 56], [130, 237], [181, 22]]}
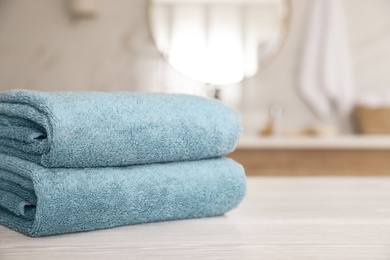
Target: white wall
{"points": [[43, 48], [369, 31]]}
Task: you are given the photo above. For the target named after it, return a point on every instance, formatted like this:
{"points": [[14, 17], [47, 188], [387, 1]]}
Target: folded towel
{"points": [[92, 129], [40, 201]]}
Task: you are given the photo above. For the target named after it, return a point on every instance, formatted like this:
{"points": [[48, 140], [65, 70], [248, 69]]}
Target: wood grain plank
{"points": [[263, 162], [281, 218]]}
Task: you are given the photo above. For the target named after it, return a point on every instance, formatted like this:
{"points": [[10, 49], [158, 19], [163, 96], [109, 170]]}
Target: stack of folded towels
{"points": [[78, 161]]}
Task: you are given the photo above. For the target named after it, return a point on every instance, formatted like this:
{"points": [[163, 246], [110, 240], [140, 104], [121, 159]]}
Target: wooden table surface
{"points": [[281, 218]]}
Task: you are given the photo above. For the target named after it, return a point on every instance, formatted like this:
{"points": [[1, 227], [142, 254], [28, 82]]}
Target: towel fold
{"points": [[40, 201], [95, 129]]}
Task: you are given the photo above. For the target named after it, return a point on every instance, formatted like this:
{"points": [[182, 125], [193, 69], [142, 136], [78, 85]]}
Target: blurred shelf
{"points": [[345, 142]]}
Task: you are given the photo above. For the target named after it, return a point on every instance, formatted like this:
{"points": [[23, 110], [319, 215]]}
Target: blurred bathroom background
{"points": [[305, 75]]}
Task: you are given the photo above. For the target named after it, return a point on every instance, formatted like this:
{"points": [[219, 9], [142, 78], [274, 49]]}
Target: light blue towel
{"points": [[93, 129], [40, 201]]}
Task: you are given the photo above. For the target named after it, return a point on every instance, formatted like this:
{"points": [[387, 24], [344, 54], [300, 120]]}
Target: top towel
{"points": [[95, 129]]}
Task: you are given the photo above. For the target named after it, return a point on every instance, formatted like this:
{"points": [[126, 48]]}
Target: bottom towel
{"points": [[41, 201]]}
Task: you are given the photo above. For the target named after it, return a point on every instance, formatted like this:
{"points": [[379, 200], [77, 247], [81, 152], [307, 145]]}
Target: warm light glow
{"points": [[187, 52], [225, 60], [219, 44], [212, 52]]}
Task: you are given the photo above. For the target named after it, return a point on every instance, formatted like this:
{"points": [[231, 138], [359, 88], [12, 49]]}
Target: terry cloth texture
{"points": [[94, 129], [40, 201]]}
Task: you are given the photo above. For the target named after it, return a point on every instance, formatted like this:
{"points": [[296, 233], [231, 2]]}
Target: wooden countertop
{"points": [[344, 142], [281, 218]]}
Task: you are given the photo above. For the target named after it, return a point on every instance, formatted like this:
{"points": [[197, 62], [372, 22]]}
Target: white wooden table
{"points": [[281, 218]]}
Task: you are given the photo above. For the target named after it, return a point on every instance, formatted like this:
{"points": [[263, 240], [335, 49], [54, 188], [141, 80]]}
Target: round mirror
{"points": [[219, 41]]}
